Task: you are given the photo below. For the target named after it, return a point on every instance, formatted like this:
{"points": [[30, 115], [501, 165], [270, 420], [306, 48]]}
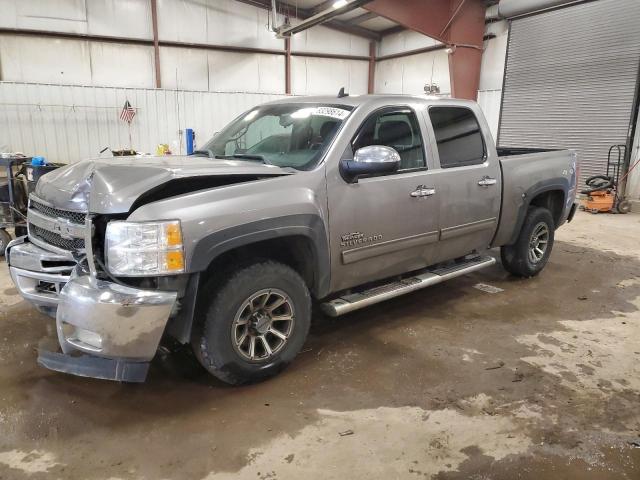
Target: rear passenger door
{"points": [[468, 180]]}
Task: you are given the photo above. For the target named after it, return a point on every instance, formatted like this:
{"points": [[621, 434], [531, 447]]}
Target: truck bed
{"points": [[527, 172]]}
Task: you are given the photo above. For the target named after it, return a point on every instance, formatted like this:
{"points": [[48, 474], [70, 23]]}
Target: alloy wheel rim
{"points": [[538, 242], [263, 324]]}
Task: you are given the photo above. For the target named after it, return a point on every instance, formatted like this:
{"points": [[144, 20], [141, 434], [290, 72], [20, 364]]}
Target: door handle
{"points": [[486, 181], [423, 191]]}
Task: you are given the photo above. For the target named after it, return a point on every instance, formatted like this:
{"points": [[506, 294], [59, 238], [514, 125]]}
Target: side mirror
{"points": [[371, 160]]}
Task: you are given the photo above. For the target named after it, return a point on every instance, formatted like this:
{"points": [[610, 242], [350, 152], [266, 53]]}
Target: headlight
{"points": [[144, 248]]}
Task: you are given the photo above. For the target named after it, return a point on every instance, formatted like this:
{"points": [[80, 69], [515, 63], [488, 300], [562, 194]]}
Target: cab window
{"points": [[397, 129], [458, 136]]}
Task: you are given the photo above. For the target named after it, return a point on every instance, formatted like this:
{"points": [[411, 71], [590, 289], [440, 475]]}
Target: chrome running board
{"points": [[355, 301]]}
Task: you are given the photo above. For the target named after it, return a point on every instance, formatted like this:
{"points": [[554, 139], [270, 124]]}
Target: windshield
{"points": [[286, 135]]}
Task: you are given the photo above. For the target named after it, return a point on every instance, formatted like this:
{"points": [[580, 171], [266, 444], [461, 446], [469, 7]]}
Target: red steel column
{"points": [[287, 65], [466, 32], [372, 66], [156, 46], [459, 23]]}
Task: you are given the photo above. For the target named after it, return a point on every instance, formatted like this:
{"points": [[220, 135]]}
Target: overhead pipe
{"points": [[274, 15], [338, 8], [516, 8], [492, 13]]}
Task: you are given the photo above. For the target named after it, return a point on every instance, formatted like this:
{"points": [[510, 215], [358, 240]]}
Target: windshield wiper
{"points": [[207, 153], [244, 156], [250, 156]]}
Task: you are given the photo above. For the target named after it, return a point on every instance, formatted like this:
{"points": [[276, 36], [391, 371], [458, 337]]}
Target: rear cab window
{"points": [[458, 136]]}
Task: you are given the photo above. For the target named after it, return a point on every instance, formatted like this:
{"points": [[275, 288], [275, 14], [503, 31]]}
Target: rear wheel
{"points": [[255, 324], [530, 253]]}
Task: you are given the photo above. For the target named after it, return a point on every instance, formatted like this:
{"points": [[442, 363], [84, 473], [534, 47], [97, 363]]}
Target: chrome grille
{"points": [[63, 229], [56, 240], [75, 217]]}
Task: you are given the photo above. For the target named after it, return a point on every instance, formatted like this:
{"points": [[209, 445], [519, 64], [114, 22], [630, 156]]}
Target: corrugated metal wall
{"points": [[70, 123], [570, 79]]}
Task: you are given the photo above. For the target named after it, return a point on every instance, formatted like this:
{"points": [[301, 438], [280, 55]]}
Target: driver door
{"points": [[383, 225]]}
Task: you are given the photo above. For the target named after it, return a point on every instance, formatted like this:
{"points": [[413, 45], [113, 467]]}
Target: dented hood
{"points": [[112, 185]]}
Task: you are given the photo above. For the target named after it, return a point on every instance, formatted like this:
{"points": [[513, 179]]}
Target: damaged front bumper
{"points": [[38, 274], [106, 330], [120, 324]]}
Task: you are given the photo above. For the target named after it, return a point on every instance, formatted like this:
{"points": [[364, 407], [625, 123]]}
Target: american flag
{"points": [[128, 112]]}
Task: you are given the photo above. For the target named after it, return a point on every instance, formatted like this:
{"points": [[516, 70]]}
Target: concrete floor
{"points": [[540, 380]]}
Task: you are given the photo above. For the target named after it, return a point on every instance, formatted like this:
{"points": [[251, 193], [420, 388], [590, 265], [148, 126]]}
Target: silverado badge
{"points": [[358, 238]]}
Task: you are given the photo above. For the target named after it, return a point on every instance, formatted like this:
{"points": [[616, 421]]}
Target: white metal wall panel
{"points": [[184, 68], [633, 183], [57, 15], [489, 101], [122, 65], [182, 21], [570, 79], [115, 18], [231, 71], [326, 76], [404, 41], [119, 18], [410, 74], [238, 24], [218, 22], [9, 17], [44, 60], [493, 57], [325, 40], [70, 123]]}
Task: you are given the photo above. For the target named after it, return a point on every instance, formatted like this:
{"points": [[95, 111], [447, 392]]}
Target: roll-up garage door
{"points": [[570, 80]]}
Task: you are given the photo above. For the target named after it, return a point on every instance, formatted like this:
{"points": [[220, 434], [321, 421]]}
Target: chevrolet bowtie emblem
{"points": [[63, 228]]}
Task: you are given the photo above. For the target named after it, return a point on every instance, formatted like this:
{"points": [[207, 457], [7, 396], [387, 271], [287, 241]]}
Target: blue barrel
{"points": [[188, 132]]}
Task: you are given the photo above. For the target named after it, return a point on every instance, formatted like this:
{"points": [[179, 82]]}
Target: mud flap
{"points": [[572, 212], [94, 367]]}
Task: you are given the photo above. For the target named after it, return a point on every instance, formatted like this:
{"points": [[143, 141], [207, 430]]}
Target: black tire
{"points": [[623, 206], [517, 259], [5, 238], [597, 183], [214, 343]]}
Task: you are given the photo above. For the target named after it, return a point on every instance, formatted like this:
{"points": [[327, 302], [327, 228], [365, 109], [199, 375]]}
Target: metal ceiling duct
{"points": [[515, 8], [333, 10]]}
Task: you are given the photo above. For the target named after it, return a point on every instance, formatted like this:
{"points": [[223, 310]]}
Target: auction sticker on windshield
{"points": [[332, 112]]}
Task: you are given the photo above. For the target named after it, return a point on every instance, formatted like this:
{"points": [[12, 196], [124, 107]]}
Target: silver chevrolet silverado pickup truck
{"points": [[343, 201]]}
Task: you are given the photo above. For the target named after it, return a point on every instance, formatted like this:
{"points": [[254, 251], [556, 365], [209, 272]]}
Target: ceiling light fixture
{"points": [[339, 3]]}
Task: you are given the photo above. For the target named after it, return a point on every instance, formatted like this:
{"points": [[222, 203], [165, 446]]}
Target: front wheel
{"points": [[5, 238], [530, 253], [255, 324]]}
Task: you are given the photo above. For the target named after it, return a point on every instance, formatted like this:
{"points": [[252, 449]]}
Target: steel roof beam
{"points": [[456, 23]]}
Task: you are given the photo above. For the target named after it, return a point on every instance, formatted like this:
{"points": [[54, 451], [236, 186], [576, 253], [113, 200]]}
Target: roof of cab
{"points": [[357, 100]]}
